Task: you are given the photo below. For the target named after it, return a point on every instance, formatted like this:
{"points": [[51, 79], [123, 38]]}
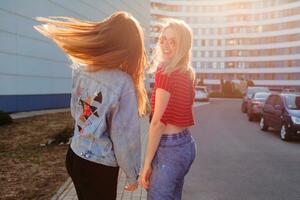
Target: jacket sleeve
{"points": [[125, 135]]}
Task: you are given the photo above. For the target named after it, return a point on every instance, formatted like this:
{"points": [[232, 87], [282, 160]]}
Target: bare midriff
{"points": [[172, 129]]}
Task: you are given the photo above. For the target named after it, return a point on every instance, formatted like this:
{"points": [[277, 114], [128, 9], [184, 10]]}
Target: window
{"points": [[194, 64], [292, 101], [278, 101], [271, 100]]}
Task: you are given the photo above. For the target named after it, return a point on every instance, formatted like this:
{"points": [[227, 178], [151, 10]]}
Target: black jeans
{"points": [[92, 181]]}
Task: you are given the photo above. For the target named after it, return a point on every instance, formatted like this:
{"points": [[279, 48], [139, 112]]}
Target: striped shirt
{"points": [[180, 86]]}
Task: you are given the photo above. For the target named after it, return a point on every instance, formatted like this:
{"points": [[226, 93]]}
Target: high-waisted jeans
{"points": [[170, 164]]}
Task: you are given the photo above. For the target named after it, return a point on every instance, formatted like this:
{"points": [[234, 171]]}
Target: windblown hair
{"points": [[115, 42], [182, 57]]}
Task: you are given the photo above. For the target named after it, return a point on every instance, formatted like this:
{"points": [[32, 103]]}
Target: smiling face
{"points": [[167, 42]]}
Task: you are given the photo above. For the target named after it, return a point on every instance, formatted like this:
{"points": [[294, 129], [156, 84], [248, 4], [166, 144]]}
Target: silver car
{"points": [[201, 94]]}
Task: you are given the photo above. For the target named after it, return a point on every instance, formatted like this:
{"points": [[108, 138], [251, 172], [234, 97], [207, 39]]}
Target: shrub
{"points": [[227, 88], [215, 95], [5, 118], [235, 94], [62, 136]]}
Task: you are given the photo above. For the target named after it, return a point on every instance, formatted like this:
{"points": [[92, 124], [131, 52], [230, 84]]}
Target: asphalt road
{"points": [[237, 161]]}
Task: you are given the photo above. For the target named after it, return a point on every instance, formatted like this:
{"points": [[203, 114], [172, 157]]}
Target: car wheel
{"points": [[284, 133], [243, 108], [250, 117], [263, 125]]}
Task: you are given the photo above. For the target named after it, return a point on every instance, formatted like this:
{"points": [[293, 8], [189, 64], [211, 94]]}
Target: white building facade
{"points": [[258, 40], [34, 73]]}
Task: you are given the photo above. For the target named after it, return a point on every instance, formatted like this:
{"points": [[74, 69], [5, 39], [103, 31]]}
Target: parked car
{"points": [[282, 112], [201, 93], [286, 90], [249, 94], [255, 105]]}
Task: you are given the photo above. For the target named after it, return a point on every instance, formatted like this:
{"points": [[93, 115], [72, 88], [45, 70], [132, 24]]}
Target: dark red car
{"points": [[255, 105]]}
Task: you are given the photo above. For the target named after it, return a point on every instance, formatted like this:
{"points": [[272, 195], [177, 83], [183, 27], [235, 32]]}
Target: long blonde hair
{"points": [[115, 42], [182, 57]]}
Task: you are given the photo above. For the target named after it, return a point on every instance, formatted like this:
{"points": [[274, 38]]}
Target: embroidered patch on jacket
{"points": [[88, 109], [98, 98]]}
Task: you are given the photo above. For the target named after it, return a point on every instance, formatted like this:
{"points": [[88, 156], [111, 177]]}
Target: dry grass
{"points": [[27, 170]]}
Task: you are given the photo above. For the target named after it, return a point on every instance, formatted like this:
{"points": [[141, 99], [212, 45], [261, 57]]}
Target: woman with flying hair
{"points": [[107, 98], [171, 149]]}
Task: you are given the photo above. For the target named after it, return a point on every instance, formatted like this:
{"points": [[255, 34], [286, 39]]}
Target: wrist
{"points": [[147, 164], [132, 180]]}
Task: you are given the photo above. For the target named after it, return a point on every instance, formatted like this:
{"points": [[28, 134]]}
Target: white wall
{"points": [[30, 63]]}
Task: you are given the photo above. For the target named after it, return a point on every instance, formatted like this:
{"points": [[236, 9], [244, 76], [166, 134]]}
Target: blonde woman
{"points": [[171, 148], [108, 86]]}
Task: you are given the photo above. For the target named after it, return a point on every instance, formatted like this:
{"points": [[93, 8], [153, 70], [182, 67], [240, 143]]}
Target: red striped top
{"points": [[180, 86]]}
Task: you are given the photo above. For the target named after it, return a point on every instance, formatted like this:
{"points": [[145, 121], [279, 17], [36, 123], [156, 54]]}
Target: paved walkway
{"points": [[67, 191]]}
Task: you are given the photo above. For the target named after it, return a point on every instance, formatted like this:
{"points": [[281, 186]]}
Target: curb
{"points": [[62, 189], [198, 104], [37, 112]]}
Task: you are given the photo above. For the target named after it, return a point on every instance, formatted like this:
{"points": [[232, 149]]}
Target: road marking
{"points": [[197, 104]]}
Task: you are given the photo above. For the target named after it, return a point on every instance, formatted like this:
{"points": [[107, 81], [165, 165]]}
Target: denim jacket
{"points": [[107, 130]]}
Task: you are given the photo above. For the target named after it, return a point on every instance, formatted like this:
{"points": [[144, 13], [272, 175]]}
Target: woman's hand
{"points": [[131, 187], [145, 177]]}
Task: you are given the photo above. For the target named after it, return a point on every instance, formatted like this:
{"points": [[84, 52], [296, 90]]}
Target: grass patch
{"points": [[28, 170]]}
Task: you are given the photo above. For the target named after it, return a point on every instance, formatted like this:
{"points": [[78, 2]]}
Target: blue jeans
{"points": [[170, 164]]}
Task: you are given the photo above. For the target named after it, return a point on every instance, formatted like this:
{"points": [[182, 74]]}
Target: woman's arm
{"points": [[155, 131]]}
